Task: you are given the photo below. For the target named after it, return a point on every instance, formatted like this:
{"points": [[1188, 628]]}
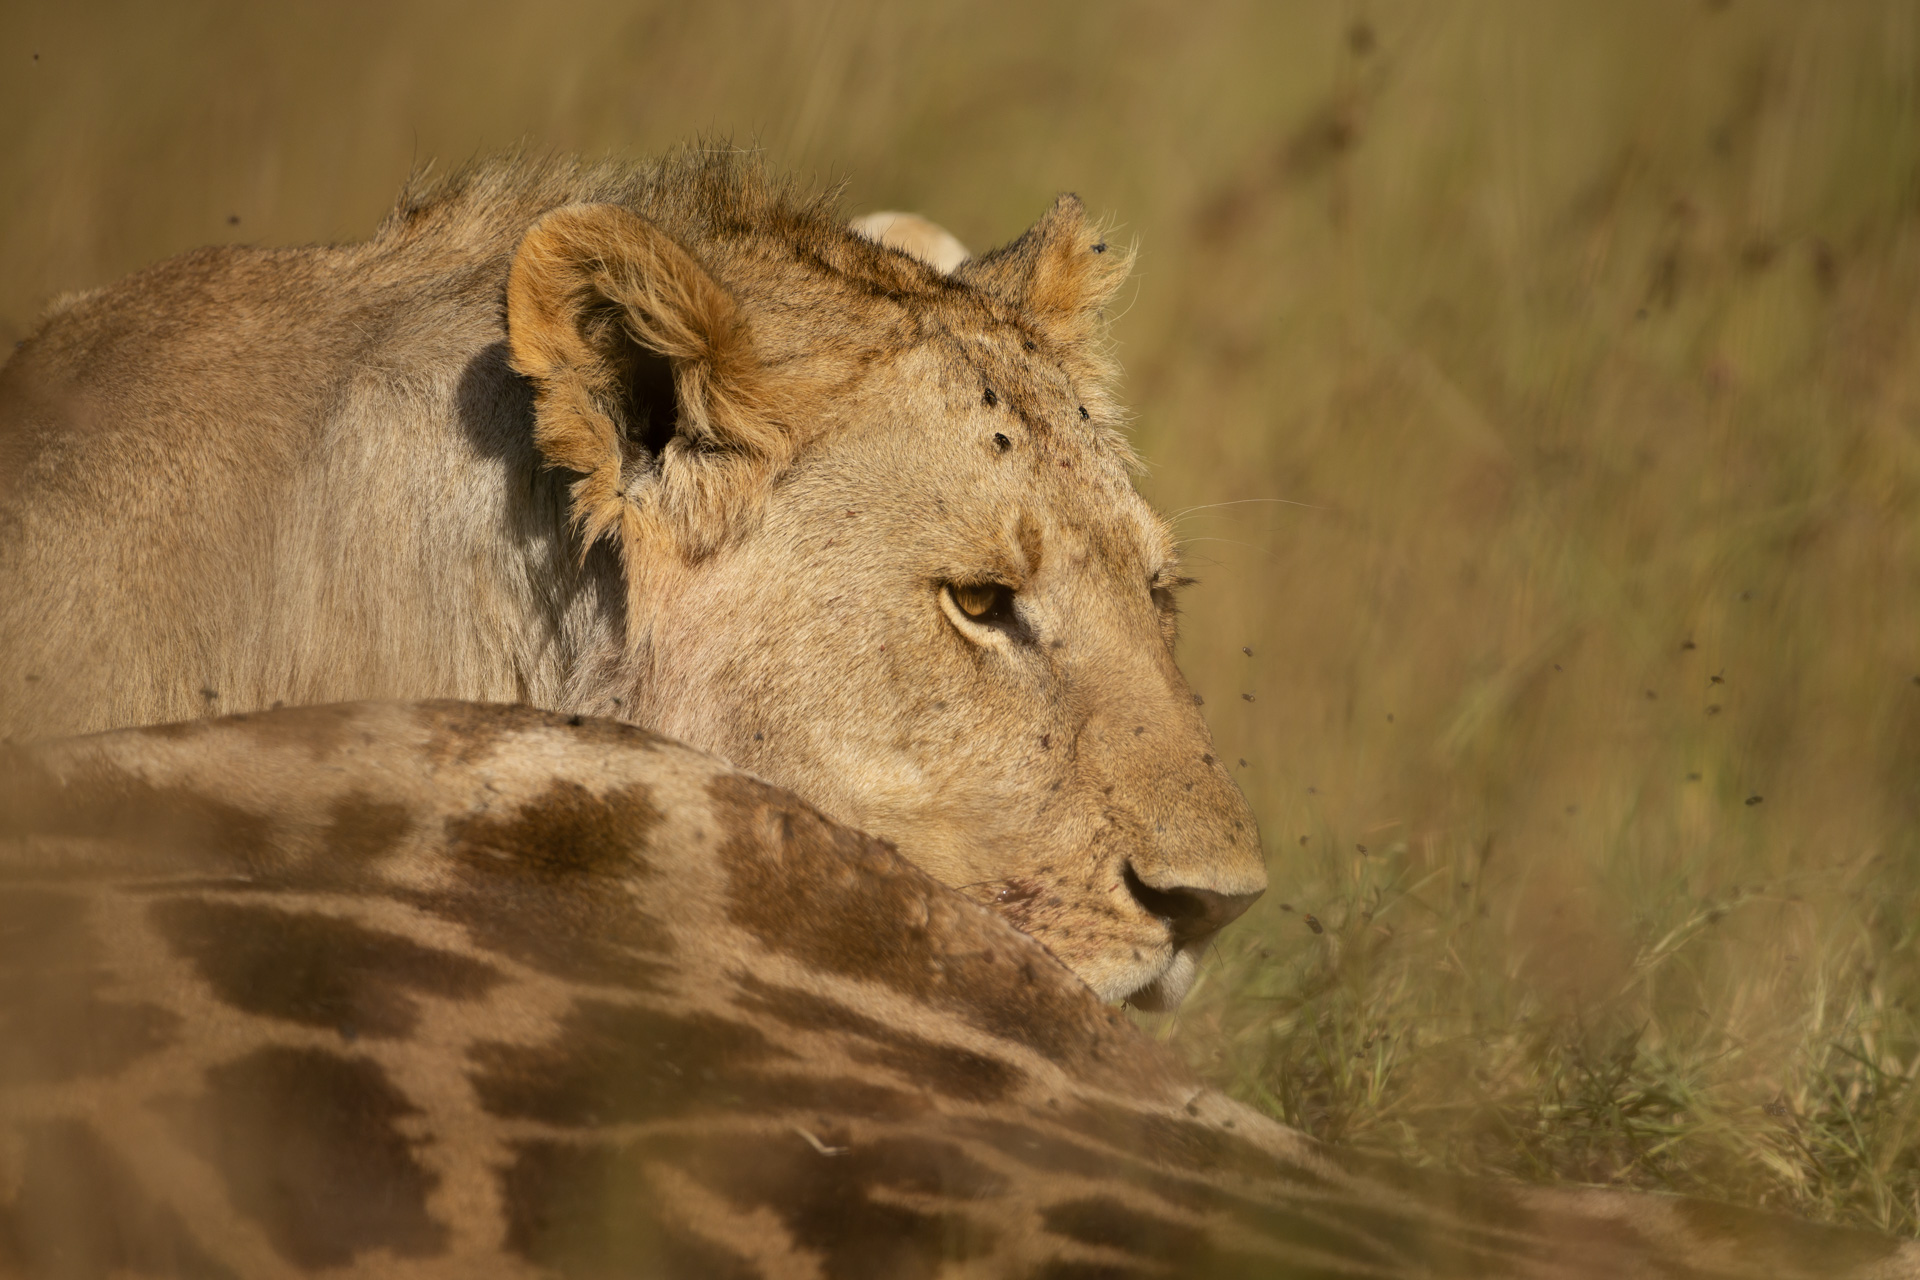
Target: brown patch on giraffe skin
{"points": [[620, 1063], [57, 1028], [1097, 1220], [1113, 1153], [848, 904], [1143, 1146], [572, 934], [563, 832], [79, 1212], [1477, 1222], [358, 832], [1176, 1143], [547, 885], [152, 828], [1178, 1248], [361, 829], [827, 1202], [314, 969], [1346, 1231], [588, 1211], [613, 1063], [1182, 1249], [817, 1095], [467, 732], [54, 1023], [1371, 1243], [946, 1069], [309, 1147], [1038, 1148]]}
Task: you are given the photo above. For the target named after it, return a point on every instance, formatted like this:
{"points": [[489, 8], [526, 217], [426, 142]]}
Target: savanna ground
{"points": [[1539, 388]]}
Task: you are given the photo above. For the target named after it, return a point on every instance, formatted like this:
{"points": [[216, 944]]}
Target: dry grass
{"points": [[1540, 384]]}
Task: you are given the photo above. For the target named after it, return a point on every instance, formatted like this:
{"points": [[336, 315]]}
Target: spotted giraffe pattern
{"points": [[468, 991]]}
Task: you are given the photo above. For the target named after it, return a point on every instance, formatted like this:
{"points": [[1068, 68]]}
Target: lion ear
{"points": [[915, 236], [1062, 272], [634, 352]]}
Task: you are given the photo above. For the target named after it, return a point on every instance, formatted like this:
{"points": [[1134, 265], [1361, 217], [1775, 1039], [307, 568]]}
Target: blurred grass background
{"points": [[1538, 389]]}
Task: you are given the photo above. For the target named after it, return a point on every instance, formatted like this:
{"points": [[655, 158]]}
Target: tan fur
{"points": [[430, 465], [453, 991]]}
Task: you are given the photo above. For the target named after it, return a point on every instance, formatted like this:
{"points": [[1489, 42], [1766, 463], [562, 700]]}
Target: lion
{"points": [[667, 442]]}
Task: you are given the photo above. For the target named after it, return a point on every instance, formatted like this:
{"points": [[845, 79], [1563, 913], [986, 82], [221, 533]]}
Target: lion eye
{"points": [[1163, 589], [978, 600], [986, 604]]}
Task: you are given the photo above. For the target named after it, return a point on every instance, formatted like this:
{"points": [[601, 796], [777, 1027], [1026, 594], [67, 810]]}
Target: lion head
{"points": [[881, 546]]}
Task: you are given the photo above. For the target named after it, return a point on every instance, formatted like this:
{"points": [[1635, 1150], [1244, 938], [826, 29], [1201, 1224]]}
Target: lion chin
{"points": [[1164, 993]]}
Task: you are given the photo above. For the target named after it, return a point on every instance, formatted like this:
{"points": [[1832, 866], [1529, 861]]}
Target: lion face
{"points": [[905, 573], [953, 628]]}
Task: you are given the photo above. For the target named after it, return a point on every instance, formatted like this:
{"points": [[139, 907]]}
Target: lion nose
{"points": [[1190, 913]]}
